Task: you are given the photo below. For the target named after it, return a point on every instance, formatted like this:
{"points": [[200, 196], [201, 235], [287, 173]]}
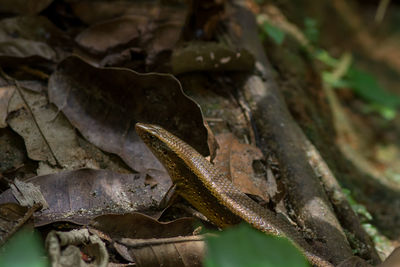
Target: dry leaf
{"points": [[23, 37], [236, 161], [6, 92], [165, 241], [28, 194], [24, 7], [12, 151], [137, 225], [125, 30], [10, 214], [173, 252], [78, 196], [12, 218], [105, 103], [95, 12], [104, 36], [48, 136], [63, 250]]}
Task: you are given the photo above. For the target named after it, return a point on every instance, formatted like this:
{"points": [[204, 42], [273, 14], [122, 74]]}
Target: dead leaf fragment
{"points": [[72, 255], [28, 194], [10, 214], [6, 92], [236, 161], [12, 151], [13, 218]]}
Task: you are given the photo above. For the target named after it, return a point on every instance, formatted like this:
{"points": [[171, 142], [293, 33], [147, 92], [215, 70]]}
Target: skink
{"points": [[209, 191]]}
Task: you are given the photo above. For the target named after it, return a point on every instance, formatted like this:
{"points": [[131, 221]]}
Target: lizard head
{"points": [[169, 149], [153, 137], [161, 143]]}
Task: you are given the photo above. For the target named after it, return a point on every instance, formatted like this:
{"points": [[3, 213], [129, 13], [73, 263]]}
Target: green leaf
{"points": [[325, 57], [387, 113], [329, 78], [25, 248], [357, 208], [276, 34], [363, 84], [244, 246], [311, 30], [367, 87]]}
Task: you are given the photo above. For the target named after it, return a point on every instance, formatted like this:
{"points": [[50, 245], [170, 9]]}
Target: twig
{"points": [[137, 243], [381, 10]]}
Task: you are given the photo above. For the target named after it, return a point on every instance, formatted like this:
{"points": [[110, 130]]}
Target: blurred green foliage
{"points": [[381, 242], [361, 82], [243, 246], [260, 2], [311, 30], [273, 32], [361, 210], [24, 249], [364, 84]]}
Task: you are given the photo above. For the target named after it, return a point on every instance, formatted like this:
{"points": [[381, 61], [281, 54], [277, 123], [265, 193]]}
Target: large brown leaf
{"points": [[80, 195], [105, 103]]}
